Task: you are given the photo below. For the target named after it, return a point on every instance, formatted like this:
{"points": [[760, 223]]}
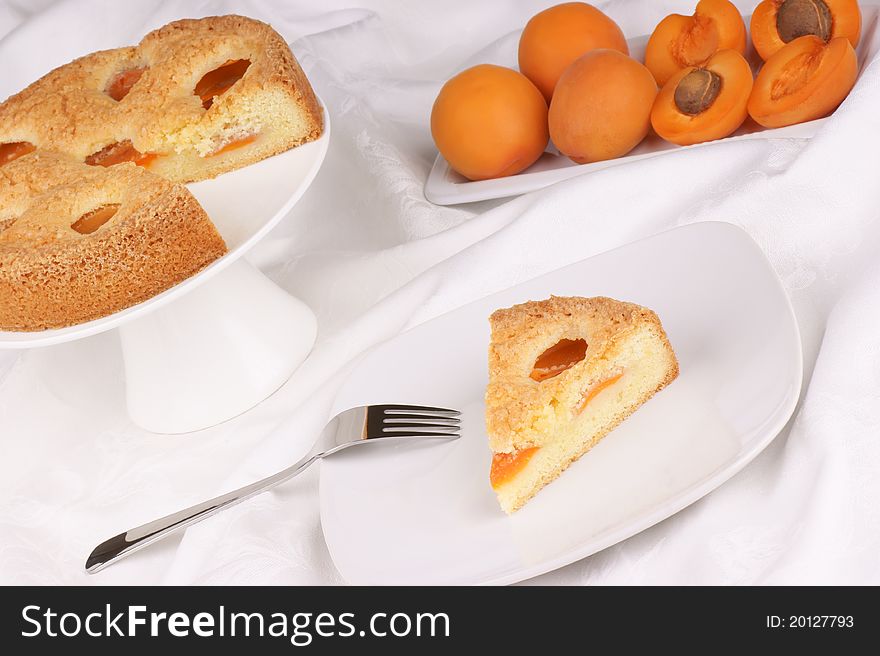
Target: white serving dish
{"points": [[446, 187], [427, 515]]}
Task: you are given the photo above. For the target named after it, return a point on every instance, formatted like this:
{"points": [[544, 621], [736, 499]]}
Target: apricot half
{"points": [[601, 108], [557, 36], [699, 104], [489, 122], [777, 22], [805, 80], [683, 41]]}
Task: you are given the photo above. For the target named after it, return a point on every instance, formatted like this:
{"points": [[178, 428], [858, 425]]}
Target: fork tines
{"points": [[416, 409], [414, 420]]}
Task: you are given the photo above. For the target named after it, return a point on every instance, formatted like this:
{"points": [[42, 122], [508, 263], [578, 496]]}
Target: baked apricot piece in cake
{"points": [[79, 242], [703, 103], [555, 37], [563, 373], [805, 80], [13, 150], [684, 41], [601, 108], [778, 22]]}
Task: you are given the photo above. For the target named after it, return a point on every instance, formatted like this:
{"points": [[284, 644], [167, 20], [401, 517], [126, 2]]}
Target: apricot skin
{"points": [[846, 22], [489, 122], [683, 41], [557, 36], [804, 80], [601, 108], [725, 114]]}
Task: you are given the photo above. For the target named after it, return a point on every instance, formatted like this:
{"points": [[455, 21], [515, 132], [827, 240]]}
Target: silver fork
{"points": [[361, 425]]}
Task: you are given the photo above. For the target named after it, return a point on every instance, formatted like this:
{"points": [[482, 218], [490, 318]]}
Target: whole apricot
{"points": [[601, 108], [557, 36], [489, 122]]}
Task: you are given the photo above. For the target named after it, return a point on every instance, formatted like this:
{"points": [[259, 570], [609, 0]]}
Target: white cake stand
{"points": [[223, 340]]}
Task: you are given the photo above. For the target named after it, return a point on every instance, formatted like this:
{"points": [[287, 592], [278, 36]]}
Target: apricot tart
{"points": [[563, 373], [78, 242], [194, 99]]}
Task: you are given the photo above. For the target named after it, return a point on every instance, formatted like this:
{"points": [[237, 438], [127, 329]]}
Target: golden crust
{"points": [[517, 407], [69, 111], [53, 276]]}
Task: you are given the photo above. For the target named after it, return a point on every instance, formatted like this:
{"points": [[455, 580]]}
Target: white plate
{"points": [[426, 514], [244, 205], [446, 187]]}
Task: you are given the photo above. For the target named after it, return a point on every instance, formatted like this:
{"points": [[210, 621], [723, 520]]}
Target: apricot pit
{"points": [[696, 91], [796, 18]]}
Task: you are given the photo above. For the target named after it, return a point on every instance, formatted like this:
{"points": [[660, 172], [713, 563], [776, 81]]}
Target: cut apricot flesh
{"points": [[594, 391], [505, 466], [805, 80], [121, 83], [220, 80], [561, 356], [235, 145], [14, 150], [119, 152], [705, 103], [684, 41], [778, 22], [91, 221]]}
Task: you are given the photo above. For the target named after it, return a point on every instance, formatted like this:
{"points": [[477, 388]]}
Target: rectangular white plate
{"points": [[446, 187], [425, 514]]}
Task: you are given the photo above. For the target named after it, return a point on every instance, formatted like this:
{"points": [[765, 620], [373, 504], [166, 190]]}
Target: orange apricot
{"points": [[777, 22], [805, 80], [489, 122], [14, 150], [557, 36], [703, 103], [505, 466], [601, 108], [683, 41]]}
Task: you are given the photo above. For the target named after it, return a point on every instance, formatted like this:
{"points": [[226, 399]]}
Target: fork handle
{"points": [[120, 546]]}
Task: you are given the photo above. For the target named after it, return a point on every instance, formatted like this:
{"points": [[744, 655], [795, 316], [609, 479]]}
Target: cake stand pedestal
{"points": [[220, 342], [214, 354]]}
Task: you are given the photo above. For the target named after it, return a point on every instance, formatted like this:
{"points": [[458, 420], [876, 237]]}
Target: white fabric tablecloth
{"points": [[373, 257]]}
